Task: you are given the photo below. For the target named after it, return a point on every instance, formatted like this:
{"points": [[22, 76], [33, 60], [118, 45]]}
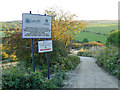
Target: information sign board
{"points": [[36, 26]]}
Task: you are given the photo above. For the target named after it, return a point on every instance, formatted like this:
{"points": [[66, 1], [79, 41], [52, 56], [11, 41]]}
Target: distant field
{"points": [[90, 37], [92, 29], [102, 28]]}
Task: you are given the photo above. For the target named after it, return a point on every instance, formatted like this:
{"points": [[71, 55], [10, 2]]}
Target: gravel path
{"points": [[89, 75]]}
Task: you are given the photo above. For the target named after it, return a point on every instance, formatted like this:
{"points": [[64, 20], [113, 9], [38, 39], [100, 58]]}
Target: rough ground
{"points": [[89, 75]]}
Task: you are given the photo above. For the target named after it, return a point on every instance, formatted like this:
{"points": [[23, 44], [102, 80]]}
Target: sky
{"points": [[11, 10]]}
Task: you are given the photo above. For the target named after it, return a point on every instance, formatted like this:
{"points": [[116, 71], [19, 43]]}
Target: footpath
{"points": [[89, 75]]}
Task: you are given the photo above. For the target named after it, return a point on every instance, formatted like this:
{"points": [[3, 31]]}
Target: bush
{"points": [[80, 53], [67, 63], [75, 41], [87, 53], [58, 78], [85, 40], [4, 55], [113, 38], [21, 78], [109, 59], [74, 61]]}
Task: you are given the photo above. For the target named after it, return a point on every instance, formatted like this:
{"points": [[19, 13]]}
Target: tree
{"points": [[113, 38], [63, 30], [64, 27], [85, 40]]}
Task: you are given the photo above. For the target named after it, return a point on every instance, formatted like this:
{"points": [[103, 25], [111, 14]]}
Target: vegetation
{"points": [[109, 59], [85, 53], [96, 31], [113, 38], [17, 49], [85, 40], [104, 28], [90, 36], [22, 78], [66, 35]]}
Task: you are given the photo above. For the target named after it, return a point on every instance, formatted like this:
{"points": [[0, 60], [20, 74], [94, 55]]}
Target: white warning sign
{"points": [[45, 46]]}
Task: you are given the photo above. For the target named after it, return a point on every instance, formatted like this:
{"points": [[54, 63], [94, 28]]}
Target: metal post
{"points": [[48, 65], [33, 55], [32, 46]]}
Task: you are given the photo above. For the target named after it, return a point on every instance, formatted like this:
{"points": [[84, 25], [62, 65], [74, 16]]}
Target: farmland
{"points": [[97, 31], [94, 31], [90, 37]]}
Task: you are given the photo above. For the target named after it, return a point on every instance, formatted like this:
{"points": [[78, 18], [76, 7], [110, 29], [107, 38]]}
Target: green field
{"points": [[92, 29], [105, 28], [90, 37]]}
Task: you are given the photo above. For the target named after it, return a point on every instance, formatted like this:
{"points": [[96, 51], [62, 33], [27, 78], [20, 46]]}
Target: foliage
{"points": [[75, 45], [85, 40], [59, 77], [4, 55], [109, 59], [85, 53], [63, 30], [113, 38], [22, 78], [75, 41], [10, 26], [93, 43], [64, 27], [67, 63], [85, 45]]}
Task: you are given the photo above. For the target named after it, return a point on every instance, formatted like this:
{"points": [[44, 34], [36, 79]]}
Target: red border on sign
{"points": [[45, 49]]}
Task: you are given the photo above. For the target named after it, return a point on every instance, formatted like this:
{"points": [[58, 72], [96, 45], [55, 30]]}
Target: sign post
{"points": [[45, 46], [38, 26], [48, 65], [32, 47], [33, 61]]}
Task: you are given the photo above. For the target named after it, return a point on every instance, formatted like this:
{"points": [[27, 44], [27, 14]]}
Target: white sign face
{"points": [[36, 26], [45, 46]]}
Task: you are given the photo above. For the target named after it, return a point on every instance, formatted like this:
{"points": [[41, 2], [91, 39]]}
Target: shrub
{"points": [[75, 45], [67, 63], [87, 53], [109, 59], [58, 78], [21, 78], [75, 41], [113, 38], [74, 61], [85, 40], [4, 55]]}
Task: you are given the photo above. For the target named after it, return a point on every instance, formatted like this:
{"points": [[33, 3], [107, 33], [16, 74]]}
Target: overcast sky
{"points": [[84, 9]]}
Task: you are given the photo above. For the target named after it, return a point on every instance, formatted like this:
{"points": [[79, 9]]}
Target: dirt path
{"points": [[89, 75]]}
